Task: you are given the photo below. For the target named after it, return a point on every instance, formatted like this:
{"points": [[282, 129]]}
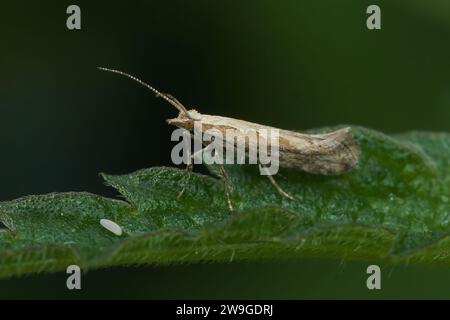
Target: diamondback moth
{"points": [[332, 153]]}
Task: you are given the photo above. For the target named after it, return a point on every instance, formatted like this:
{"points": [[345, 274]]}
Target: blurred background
{"points": [[294, 64]]}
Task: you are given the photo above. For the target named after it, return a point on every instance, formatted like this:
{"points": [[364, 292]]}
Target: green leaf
{"points": [[395, 207]]}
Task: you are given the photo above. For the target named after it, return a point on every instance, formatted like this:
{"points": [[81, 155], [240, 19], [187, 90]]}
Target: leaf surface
{"points": [[394, 207]]}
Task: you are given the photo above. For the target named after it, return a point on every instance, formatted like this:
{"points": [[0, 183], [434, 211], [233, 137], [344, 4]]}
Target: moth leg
{"points": [[279, 189], [189, 169], [227, 187]]}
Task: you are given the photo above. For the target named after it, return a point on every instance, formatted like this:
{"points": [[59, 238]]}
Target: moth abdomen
{"points": [[334, 153]]}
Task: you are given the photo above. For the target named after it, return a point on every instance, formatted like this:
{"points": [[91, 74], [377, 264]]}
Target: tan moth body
{"points": [[329, 154]]}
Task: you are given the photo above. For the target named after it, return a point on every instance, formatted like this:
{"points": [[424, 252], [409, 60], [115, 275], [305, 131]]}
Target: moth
{"points": [[332, 153]]}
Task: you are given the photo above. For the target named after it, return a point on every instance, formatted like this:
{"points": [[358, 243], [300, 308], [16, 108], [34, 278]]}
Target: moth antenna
{"points": [[174, 102]]}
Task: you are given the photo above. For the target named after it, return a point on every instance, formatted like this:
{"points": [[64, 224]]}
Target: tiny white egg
{"points": [[111, 226]]}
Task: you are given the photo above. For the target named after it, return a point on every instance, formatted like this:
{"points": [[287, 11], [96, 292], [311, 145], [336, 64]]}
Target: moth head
{"points": [[186, 119]]}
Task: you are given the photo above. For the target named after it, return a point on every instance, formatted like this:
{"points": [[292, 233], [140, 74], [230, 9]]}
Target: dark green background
{"points": [[293, 64]]}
